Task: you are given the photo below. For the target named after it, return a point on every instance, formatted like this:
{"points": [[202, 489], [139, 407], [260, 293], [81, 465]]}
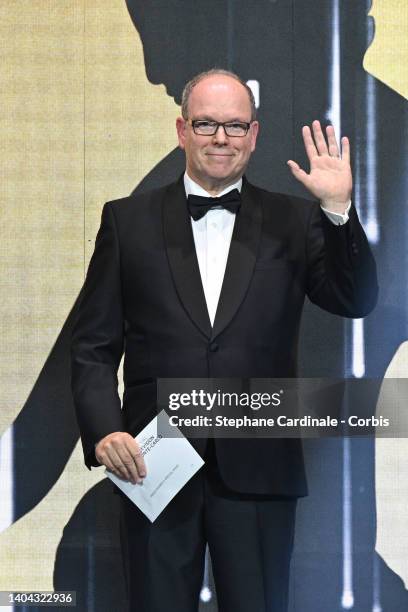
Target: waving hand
{"points": [[330, 178]]}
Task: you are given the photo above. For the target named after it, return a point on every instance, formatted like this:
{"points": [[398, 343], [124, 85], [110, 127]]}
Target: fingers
{"points": [[115, 464], [310, 147], [317, 144], [345, 149], [138, 465], [297, 172], [333, 148], [121, 454], [320, 140]]}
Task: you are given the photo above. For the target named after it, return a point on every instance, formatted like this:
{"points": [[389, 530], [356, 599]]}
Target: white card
{"points": [[170, 463]]}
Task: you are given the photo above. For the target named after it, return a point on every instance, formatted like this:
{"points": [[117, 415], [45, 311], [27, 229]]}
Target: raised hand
{"points": [[330, 179]]}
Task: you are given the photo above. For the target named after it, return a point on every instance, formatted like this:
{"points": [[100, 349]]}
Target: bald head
{"points": [[215, 72]]}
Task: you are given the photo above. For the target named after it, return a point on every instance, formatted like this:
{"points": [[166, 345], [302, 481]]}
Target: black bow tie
{"points": [[199, 206]]}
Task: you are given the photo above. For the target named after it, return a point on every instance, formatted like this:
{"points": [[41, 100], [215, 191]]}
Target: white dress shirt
{"points": [[212, 238]]}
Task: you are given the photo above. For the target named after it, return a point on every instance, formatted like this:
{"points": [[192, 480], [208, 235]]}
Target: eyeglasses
{"points": [[204, 127]]}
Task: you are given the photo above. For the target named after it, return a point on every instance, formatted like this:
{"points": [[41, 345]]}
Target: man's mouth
{"points": [[220, 154]]}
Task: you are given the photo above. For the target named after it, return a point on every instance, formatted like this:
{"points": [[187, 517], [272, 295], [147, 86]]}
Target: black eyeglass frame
{"points": [[224, 125]]}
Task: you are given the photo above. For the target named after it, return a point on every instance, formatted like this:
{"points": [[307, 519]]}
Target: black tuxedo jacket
{"points": [[143, 297]]}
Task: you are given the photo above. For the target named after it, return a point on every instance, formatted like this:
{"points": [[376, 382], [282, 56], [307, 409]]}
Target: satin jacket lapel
{"points": [[241, 258], [182, 257]]}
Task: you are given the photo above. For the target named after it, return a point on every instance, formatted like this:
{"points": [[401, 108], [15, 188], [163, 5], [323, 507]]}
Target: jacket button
{"points": [[354, 248], [214, 347]]}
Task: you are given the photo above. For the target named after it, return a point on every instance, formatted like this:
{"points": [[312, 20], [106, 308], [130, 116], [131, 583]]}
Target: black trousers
{"points": [[250, 541]]}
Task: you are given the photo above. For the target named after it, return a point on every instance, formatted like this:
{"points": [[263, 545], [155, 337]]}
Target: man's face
{"points": [[217, 161]]}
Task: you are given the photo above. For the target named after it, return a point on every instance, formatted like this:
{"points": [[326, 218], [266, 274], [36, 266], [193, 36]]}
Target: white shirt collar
{"points": [[192, 187]]}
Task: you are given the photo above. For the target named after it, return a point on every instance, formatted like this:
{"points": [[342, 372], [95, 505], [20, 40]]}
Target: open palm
{"points": [[330, 179]]}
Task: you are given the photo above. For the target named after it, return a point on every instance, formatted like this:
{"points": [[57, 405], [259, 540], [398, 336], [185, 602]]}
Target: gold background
{"points": [[387, 57], [80, 125]]}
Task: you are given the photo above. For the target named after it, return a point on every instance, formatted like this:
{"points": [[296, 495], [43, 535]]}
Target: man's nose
{"points": [[220, 136]]}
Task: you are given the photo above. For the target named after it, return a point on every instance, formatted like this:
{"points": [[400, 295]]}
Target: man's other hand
{"points": [[121, 454]]}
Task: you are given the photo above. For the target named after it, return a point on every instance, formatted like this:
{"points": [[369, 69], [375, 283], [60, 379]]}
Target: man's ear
{"points": [[254, 134], [181, 127]]}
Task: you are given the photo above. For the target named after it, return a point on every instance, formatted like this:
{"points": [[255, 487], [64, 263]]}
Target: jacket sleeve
{"points": [[341, 271], [97, 342]]}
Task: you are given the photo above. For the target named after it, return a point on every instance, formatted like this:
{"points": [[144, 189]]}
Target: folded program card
{"points": [[170, 463]]}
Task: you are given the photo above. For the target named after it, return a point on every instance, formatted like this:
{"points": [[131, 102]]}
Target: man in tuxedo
{"points": [[207, 277]]}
